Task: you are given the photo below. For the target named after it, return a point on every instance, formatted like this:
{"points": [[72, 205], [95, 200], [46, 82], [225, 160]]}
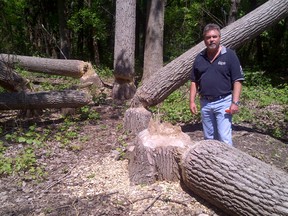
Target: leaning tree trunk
{"points": [[230, 179], [177, 72], [234, 181], [42, 100]]}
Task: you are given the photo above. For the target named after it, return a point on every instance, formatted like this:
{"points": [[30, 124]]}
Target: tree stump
{"points": [[152, 158], [136, 119], [233, 180]]}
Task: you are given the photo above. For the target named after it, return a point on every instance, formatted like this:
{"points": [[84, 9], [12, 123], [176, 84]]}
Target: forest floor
{"points": [[92, 180]]}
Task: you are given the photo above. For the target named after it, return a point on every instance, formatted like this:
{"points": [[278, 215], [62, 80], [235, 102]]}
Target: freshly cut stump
{"points": [[152, 158], [137, 119], [234, 181]]}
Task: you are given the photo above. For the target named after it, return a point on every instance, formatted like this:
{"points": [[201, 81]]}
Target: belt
{"points": [[213, 98]]}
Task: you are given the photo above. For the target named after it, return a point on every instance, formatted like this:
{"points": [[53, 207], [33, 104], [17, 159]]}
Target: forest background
{"points": [[84, 30]]}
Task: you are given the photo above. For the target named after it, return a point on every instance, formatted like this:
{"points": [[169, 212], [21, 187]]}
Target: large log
{"points": [[234, 181], [42, 100], [12, 81], [166, 80], [62, 67], [230, 179]]}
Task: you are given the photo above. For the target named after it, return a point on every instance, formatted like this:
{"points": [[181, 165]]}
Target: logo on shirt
{"points": [[221, 63]]}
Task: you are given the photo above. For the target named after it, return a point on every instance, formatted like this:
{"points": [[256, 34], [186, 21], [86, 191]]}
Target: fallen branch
{"points": [[150, 204]]}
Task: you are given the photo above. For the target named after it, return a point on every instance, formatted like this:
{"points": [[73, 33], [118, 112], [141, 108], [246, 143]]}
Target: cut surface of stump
{"points": [[152, 157]]}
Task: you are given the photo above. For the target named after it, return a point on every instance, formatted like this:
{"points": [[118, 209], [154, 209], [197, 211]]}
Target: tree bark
{"points": [[228, 178], [176, 73], [124, 50], [136, 119], [63, 30], [152, 158], [153, 53], [42, 100], [234, 181], [11, 81], [62, 67], [233, 11]]}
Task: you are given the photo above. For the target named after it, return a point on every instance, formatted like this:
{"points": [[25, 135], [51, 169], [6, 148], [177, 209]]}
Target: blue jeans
{"points": [[217, 124]]}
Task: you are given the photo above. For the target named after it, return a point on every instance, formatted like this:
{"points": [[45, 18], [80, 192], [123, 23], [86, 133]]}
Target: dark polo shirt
{"points": [[216, 78]]}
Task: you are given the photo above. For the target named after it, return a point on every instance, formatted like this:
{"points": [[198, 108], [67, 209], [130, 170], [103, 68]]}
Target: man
{"points": [[217, 76]]}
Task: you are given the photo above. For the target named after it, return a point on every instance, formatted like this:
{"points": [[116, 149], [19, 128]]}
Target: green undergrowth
{"points": [[31, 141], [263, 105]]}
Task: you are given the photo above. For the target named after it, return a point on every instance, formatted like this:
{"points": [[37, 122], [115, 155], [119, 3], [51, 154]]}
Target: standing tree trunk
{"points": [[124, 50], [233, 11], [153, 53], [64, 39], [176, 73]]}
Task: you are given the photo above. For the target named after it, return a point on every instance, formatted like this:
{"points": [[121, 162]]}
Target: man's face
{"points": [[212, 39]]}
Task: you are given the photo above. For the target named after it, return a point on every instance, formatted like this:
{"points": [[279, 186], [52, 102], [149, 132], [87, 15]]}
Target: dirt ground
{"points": [[93, 181]]}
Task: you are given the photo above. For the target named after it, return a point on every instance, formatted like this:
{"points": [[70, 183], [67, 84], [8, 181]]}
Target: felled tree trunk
{"points": [[166, 80], [42, 100], [62, 67], [234, 181], [225, 176], [11, 81]]}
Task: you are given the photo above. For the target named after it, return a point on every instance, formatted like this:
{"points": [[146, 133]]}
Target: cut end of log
{"points": [[89, 75]]}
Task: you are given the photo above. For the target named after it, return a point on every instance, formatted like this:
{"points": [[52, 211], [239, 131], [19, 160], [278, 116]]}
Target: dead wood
{"points": [[233, 180], [62, 67], [228, 178], [152, 158], [136, 119], [12, 81], [42, 100]]}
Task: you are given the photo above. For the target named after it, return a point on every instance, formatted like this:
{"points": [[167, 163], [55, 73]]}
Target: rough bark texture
{"points": [[177, 72], [136, 119], [234, 181], [41, 100], [124, 50], [153, 53], [152, 157], [62, 67], [233, 11], [11, 81]]}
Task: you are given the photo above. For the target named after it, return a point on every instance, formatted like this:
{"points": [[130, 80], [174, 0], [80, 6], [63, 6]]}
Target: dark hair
{"points": [[211, 26]]}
